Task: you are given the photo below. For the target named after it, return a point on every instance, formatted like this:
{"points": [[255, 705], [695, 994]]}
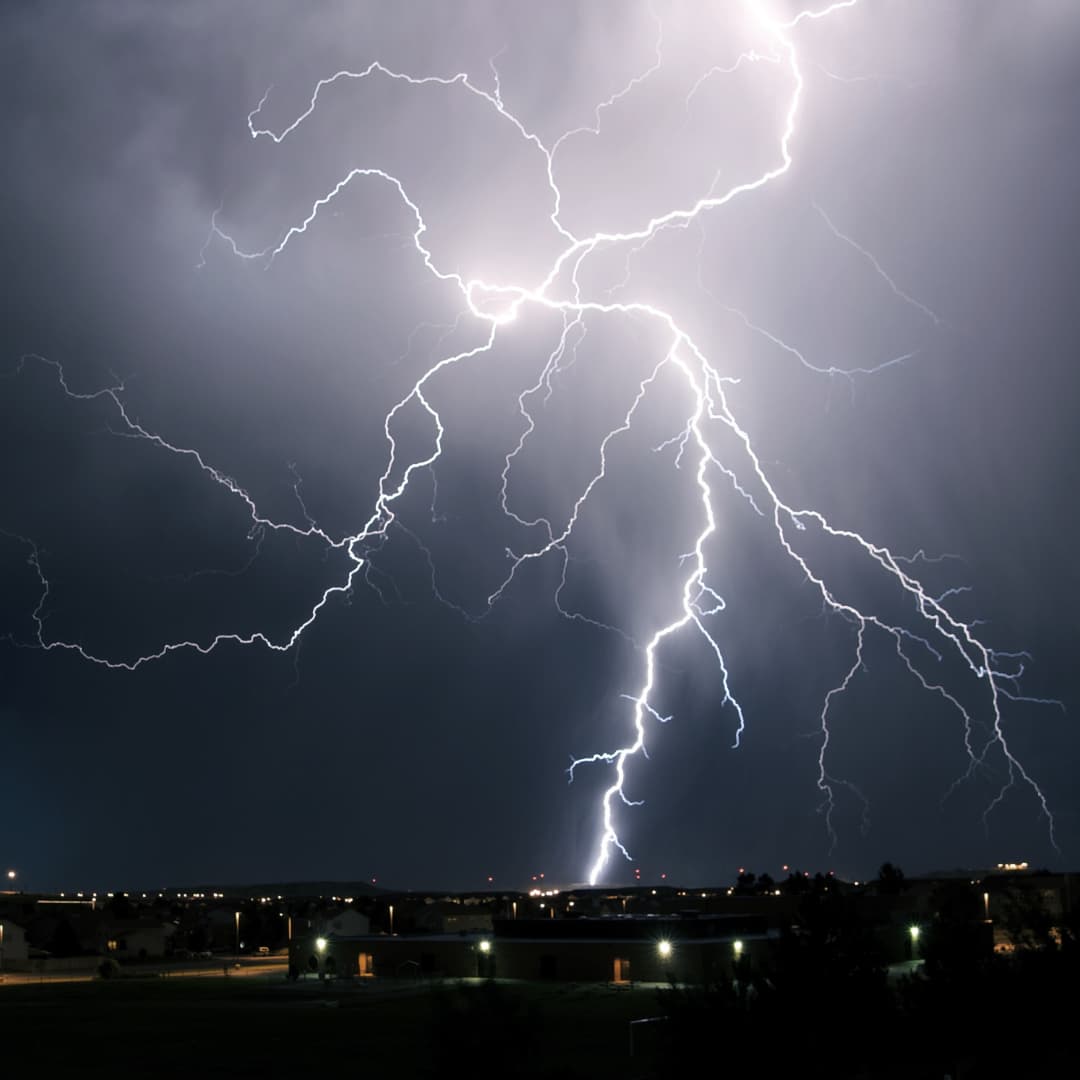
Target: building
{"points": [[428, 956], [619, 950], [14, 951], [691, 948], [137, 939]]}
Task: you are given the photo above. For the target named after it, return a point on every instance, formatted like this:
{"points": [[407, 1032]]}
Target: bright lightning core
{"points": [[590, 275]]}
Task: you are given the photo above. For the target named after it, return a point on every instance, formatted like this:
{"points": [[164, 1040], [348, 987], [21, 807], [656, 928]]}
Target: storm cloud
{"points": [[416, 734]]}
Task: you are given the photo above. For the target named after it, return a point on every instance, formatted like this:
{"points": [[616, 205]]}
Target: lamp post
{"points": [[237, 914]]}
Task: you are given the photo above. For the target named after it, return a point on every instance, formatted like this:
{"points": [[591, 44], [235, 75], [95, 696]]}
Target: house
{"points": [[14, 951], [346, 923], [137, 939]]}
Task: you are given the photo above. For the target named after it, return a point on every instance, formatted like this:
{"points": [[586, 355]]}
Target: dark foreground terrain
{"points": [[231, 1027], [269, 1027]]}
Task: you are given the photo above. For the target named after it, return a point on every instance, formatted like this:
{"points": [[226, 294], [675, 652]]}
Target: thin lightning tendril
{"points": [[700, 606]]}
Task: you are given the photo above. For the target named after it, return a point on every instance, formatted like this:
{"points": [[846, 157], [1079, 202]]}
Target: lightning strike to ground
{"points": [[700, 608]]}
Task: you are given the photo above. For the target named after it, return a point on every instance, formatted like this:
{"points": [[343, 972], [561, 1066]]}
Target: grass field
{"points": [[180, 1027]]}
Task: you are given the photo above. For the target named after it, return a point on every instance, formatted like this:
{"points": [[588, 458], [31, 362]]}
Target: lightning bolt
{"points": [[495, 306]]}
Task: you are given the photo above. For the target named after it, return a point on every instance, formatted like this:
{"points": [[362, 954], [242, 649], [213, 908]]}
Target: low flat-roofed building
{"points": [[619, 950], [689, 949], [447, 956]]}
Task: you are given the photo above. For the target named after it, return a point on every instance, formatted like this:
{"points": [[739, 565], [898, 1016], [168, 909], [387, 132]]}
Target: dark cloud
{"points": [[403, 739]]}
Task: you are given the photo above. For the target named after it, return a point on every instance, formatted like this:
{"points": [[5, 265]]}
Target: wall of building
{"points": [[642, 961], [433, 956], [14, 951], [391, 957]]}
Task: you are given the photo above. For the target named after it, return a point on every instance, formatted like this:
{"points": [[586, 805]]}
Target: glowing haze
{"points": [[629, 441]]}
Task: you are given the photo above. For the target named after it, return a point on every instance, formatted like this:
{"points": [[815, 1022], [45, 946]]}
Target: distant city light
{"points": [[1012, 866]]}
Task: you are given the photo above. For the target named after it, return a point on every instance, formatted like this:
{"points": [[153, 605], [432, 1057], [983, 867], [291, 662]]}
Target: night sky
{"points": [[417, 735]]}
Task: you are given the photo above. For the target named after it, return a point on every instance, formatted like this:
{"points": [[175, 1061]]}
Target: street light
{"points": [[738, 947], [237, 914], [485, 946], [320, 944], [664, 949]]}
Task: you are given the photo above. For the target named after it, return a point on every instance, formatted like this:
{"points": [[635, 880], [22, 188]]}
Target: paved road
{"points": [[265, 967]]}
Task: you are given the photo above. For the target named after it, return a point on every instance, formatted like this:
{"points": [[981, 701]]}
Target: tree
{"points": [[890, 879], [65, 941], [744, 884]]}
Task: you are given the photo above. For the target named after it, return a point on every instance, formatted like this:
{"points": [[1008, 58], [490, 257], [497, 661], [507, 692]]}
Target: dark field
{"points": [[217, 1027], [1013, 1021]]}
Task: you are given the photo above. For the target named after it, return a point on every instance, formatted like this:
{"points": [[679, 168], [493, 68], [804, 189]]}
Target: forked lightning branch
{"points": [[707, 421]]}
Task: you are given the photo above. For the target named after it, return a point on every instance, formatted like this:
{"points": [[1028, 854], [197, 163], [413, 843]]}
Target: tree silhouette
{"points": [[890, 879]]}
